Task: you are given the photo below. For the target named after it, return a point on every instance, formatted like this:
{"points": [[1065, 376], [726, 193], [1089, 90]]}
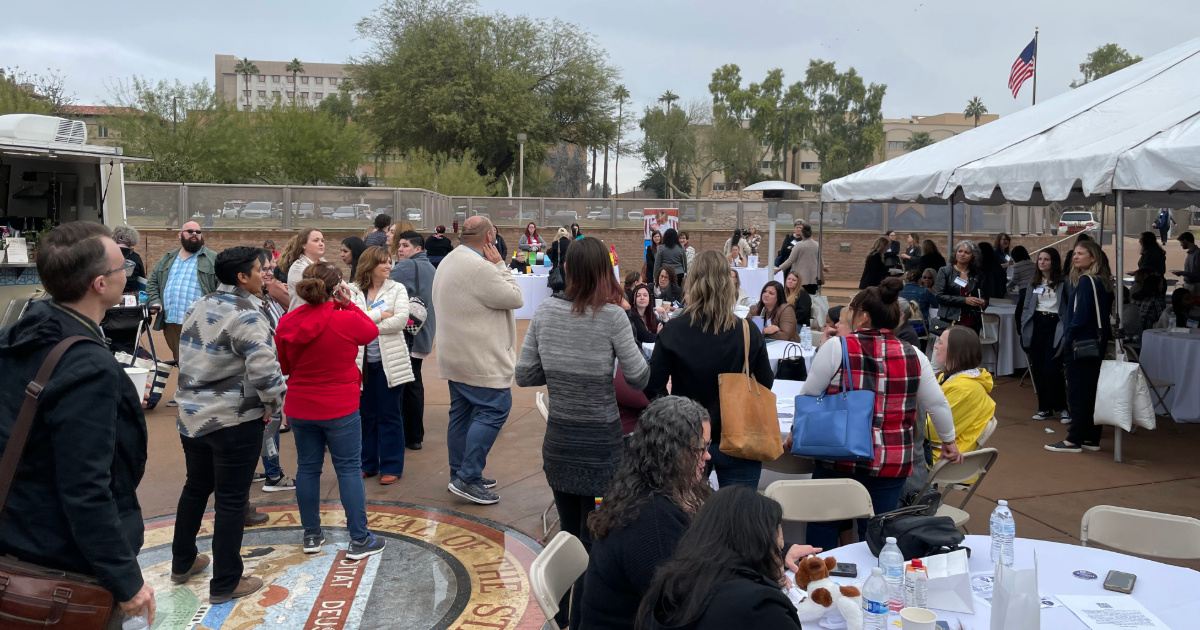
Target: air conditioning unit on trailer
{"points": [[43, 129]]}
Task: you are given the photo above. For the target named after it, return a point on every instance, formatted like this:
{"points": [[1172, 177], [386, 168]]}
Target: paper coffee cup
{"points": [[917, 619], [138, 376]]}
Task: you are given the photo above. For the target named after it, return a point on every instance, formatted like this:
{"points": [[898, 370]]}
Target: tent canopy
{"points": [[1136, 130]]}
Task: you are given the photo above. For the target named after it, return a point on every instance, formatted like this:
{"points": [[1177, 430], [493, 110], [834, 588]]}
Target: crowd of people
{"points": [[269, 342]]}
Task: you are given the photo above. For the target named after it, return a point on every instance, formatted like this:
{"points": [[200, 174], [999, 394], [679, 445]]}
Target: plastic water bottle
{"points": [[142, 297], [140, 622], [875, 601], [916, 585], [1004, 530], [806, 337], [892, 563], [1171, 319]]}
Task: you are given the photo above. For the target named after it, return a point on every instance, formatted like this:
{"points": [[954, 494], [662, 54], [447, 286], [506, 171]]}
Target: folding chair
{"points": [[1155, 384], [1143, 533], [987, 339], [975, 465], [1000, 301], [542, 403], [554, 572], [821, 500], [988, 431]]}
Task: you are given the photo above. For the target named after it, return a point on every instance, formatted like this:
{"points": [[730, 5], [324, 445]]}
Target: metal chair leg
{"points": [[548, 525]]}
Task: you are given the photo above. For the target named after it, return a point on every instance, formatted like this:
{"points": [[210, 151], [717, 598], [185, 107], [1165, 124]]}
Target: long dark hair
{"points": [[653, 247], [880, 303], [648, 316], [356, 246], [1177, 305], [736, 528], [662, 457], [1149, 242], [780, 300], [1056, 275], [670, 238], [672, 277], [590, 279]]}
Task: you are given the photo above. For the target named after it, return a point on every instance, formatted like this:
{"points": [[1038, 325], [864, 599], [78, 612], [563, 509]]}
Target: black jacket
{"points": [[802, 302], [692, 359], [641, 333], [623, 563], [501, 247], [785, 249], [673, 293], [874, 271], [933, 261], [139, 271], [747, 600], [558, 251], [1154, 260], [73, 504], [914, 259], [435, 246], [950, 301]]}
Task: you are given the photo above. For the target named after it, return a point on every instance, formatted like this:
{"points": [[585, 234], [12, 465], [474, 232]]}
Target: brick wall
{"points": [[845, 266]]}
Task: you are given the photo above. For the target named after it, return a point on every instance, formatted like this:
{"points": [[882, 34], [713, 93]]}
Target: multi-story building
{"points": [[93, 117], [274, 83]]}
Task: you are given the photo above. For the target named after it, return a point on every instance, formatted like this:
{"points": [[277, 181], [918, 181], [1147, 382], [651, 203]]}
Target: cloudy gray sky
{"points": [[933, 55]]}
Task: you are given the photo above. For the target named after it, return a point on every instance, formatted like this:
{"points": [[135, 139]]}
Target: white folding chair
{"points": [[988, 431], [1000, 301], [554, 572], [542, 403], [989, 336], [1155, 384], [975, 465], [1143, 533], [821, 500]]}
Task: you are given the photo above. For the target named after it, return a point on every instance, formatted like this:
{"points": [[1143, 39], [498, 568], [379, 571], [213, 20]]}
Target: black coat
{"points": [[641, 333], [874, 271], [950, 301], [139, 271], [439, 247], [932, 261], [622, 564], [1154, 260], [802, 302], [558, 251], [73, 504], [501, 247], [914, 259], [673, 293], [747, 600]]}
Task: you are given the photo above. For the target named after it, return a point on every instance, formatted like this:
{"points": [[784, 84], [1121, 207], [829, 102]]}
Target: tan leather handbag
{"points": [[749, 419], [32, 596]]}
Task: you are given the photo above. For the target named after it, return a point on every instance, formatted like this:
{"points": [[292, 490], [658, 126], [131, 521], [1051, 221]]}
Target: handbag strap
{"points": [[847, 384], [20, 430], [746, 359]]}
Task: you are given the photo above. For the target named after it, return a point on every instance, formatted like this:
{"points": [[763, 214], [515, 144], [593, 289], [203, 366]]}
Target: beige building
{"points": [[93, 117], [896, 131], [273, 82]]}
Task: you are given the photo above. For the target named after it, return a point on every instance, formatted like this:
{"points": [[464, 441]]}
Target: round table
{"points": [[1171, 357], [535, 290], [1163, 589]]}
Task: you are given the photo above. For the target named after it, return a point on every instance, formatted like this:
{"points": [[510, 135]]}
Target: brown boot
{"points": [[199, 565], [248, 586], [254, 517]]}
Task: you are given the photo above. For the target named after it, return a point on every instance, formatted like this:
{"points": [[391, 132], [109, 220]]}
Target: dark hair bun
{"points": [[889, 290], [312, 290]]}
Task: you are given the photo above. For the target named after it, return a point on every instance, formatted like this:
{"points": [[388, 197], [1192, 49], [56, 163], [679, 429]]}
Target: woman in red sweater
{"points": [[318, 345]]}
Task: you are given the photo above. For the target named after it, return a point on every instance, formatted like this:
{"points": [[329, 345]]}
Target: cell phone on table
{"points": [[1120, 582], [845, 569]]}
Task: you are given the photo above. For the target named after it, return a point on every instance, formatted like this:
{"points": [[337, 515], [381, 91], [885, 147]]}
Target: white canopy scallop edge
{"points": [[1137, 130]]}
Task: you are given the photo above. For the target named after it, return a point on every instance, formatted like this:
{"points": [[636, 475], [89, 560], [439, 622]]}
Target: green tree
{"points": [[15, 99], [620, 95], [49, 88], [654, 182], [245, 67], [339, 105], [668, 97], [443, 77], [295, 67], [844, 119], [919, 140], [1104, 61], [669, 143], [975, 109], [303, 145], [442, 173]]}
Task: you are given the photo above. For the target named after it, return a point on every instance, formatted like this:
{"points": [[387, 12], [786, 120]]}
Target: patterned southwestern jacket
{"points": [[889, 367], [228, 371]]}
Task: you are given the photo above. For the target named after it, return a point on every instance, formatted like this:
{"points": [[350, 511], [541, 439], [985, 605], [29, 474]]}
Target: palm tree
{"points": [[245, 67], [919, 140], [622, 95], [294, 67], [669, 97], [975, 109]]}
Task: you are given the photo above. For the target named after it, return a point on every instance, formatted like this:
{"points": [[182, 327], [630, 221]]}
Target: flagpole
{"points": [[1035, 63]]}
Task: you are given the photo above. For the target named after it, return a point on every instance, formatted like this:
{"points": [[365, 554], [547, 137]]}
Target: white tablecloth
{"points": [[1175, 357], [535, 290], [753, 279], [775, 350], [1010, 356], [1163, 589]]}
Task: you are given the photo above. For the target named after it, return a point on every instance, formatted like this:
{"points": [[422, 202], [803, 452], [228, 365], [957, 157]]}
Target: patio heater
{"points": [[772, 192]]}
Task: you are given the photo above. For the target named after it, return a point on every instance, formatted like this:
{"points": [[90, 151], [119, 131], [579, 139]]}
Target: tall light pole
{"points": [[521, 138]]}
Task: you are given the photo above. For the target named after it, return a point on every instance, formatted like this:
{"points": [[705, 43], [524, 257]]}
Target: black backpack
{"points": [[918, 533]]}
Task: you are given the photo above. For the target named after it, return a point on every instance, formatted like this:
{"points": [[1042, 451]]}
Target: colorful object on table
{"points": [[812, 577]]}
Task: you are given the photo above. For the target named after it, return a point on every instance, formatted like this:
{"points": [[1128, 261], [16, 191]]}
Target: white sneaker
{"points": [[1066, 417], [1043, 415]]}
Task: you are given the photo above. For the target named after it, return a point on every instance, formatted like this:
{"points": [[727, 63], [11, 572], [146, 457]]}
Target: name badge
{"points": [[1039, 290], [960, 282], [378, 304]]}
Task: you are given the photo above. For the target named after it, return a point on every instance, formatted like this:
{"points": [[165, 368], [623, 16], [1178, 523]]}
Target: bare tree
{"points": [[49, 87]]}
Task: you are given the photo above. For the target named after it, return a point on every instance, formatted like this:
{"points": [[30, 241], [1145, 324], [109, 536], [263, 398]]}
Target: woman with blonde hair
{"points": [[308, 249], [797, 296], [386, 368], [875, 269], [1084, 341], [702, 342], [394, 231]]}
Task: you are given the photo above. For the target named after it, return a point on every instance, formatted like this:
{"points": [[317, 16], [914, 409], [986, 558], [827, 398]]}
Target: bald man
{"points": [[182, 276], [474, 296]]}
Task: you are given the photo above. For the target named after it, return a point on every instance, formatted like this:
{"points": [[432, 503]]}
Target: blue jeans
{"points": [[382, 424], [885, 496], [476, 416], [271, 464], [343, 436], [734, 470]]}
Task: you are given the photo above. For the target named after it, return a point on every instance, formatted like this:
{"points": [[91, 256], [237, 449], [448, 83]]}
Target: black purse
{"points": [[917, 534], [791, 366], [1089, 348]]}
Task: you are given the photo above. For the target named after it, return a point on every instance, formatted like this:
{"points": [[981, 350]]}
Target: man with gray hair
{"points": [[474, 296]]}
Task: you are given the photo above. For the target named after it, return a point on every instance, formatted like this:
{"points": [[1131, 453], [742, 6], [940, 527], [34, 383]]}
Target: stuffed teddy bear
{"points": [[812, 577]]}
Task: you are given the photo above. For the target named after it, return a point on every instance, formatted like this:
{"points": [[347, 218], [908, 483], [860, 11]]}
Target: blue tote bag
{"points": [[836, 427]]}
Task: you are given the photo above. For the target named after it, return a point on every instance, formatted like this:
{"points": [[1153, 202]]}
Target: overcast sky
{"points": [[934, 55]]}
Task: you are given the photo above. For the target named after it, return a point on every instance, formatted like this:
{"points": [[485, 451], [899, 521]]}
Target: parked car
{"points": [[831, 219], [413, 214], [637, 215], [344, 212], [595, 214], [304, 210], [1076, 221], [326, 212], [689, 214], [257, 210]]}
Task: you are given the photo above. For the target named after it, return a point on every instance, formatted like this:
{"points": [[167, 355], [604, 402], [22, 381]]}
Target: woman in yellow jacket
{"points": [[967, 388]]}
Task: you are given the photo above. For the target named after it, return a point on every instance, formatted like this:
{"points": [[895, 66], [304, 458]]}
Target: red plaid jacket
{"points": [[889, 367]]}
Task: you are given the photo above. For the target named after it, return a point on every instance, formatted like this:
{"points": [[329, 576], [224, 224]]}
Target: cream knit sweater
{"points": [[476, 332]]}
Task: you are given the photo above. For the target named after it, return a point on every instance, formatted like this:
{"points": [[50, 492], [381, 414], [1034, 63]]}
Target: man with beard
{"points": [[181, 277]]}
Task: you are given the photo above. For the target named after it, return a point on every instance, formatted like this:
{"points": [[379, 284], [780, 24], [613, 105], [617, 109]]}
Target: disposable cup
{"points": [[917, 619], [657, 303], [138, 376]]}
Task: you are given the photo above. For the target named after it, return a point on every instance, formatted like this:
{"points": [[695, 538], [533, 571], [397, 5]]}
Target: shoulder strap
{"points": [[847, 383], [20, 430]]}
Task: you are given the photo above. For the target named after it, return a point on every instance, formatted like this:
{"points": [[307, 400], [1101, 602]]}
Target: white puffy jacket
{"points": [[394, 351]]}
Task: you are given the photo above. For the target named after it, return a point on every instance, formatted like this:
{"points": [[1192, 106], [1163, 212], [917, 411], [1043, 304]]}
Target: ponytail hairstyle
{"points": [[879, 303], [295, 248], [320, 280]]}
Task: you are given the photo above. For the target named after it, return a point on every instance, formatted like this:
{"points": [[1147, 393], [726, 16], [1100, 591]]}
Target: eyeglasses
{"points": [[125, 267], [192, 232]]}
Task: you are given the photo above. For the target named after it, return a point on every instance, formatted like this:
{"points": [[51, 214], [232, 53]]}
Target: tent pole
{"points": [[950, 232], [1119, 243], [820, 245]]}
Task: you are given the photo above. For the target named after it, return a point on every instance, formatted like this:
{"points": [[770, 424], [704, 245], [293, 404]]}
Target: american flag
{"points": [[1022, 68]]}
